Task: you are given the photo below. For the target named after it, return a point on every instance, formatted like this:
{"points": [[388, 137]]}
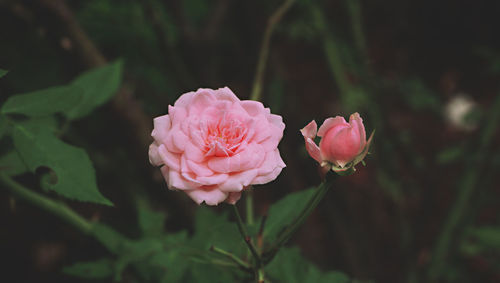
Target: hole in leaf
{"points": [[47, 175]]}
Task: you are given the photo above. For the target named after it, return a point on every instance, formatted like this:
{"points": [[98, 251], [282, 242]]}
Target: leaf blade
{"points": [[98, 269], [99, 86], [284, 211], [3, 72], [74, 170], [59, 99]]}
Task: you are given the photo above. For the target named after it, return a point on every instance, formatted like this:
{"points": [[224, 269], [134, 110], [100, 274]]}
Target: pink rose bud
{"points": [[211, 145], [342, 144]]}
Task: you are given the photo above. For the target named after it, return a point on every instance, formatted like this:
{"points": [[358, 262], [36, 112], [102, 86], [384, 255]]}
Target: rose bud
{"points": [[211, 145], [342, 144]]}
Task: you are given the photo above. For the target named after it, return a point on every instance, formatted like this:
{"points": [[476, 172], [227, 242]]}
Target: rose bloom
{"points": [[211, 145], [342, 144]]}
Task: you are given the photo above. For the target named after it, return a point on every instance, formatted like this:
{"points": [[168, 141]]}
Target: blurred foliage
{"points": [[424, 209], [290, 266]]}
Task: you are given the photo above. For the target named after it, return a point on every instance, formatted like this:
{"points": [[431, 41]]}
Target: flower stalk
{"points": [[56, 208], [249, 206], [264, 49], [246, 237], [242, 264], [301, 218]]}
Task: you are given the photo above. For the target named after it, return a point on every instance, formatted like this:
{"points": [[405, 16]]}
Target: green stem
{"points": [[246, 238], [260, 276], [57, 208], [332, 52], [301, 218], [466, 189], [264, 49], [249, 206], [355, 15], [232, 257]]}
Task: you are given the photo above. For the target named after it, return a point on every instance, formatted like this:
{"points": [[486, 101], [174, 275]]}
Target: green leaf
{"points": [[289, 266], [75, 100], [196, 10], [488, 237], [206, 273], [3, 125], [12, 164], [99, 269], [110, 238], [214, 229], [173, 262], [47, 124], [284, 211], [98, 85], [151, 222], [136, 251], [75, 173], [59, 99], [3, 72], [449, 155], [419, 96]]}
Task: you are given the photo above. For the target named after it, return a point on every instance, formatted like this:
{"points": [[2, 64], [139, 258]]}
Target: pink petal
{"points": [[201, 170], [277, 121], [262, 129], [193, 152], [201, 100], [276, 129], [170, 159], [237, 181], [225, 94], [313, 150], [215, 179], [168, 141], [272, 160], [340, 145], [154, 157], [249, 158], [330, 123], [232, 198], [161, 128], [309, 131], [357, 123], [253, 108], [175, 181], [272, 142], [179, 139], [263, 179], [177, 114], [210, 197], [185, 99], [364, 152]]}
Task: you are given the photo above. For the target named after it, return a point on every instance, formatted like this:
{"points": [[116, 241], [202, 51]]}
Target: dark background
{"points": [[381, 223]]}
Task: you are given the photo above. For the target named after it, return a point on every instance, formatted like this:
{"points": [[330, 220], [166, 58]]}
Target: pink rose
{"points": [[342, 145], [212, 145]]}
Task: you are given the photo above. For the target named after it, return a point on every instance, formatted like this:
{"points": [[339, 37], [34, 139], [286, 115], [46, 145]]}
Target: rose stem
{"points": [[232, 257], [57, 208], [300, 219], [260, 238], [249, 206], [264, 48], [466, 187], [245, 236]]}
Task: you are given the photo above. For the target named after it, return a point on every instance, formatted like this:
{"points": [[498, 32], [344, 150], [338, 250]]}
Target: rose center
{"points": [[223, 136]]}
